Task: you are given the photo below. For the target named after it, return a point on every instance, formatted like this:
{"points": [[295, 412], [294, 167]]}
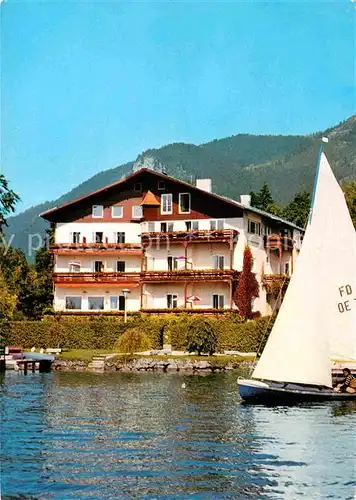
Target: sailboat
{"points": [[317, 319]]}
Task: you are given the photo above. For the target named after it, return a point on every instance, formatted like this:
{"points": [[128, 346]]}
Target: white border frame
{"points": [[97, 216], [167, 212], [117, 216], [135, 216]]}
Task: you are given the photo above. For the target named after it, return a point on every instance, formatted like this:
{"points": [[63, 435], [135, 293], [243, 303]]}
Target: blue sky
{"points": [[87, 86]]}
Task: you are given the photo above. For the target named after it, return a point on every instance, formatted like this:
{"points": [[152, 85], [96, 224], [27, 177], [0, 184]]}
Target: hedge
{"points": [[232, 332], [72, 334]]}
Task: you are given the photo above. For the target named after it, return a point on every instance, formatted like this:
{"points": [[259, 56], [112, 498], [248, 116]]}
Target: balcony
{"points": [[96, 249], [79, 279], [278, 242], [274, 284], [189, 275], [194, 236]]}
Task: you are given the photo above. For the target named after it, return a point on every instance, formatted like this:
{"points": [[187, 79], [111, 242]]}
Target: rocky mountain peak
{"points": [[148, 160]]}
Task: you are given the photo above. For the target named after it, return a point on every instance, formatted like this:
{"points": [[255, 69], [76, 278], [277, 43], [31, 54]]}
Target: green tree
{"points": [[247, 289], [297, 211], [263, 200], [8, 200], [8, 300], [349, 189], [201, 337]]}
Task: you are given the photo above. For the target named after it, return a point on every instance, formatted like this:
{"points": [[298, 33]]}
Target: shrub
{"points": [[201, 336], [133, 340]]}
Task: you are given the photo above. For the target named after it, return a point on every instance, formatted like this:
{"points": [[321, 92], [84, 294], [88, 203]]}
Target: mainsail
{"points": [[317, 318]]}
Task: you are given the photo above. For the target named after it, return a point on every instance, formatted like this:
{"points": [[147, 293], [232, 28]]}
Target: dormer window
{"points": [[117, 211], [138, 187], [97, 211], [161, 185], [184, 203]]}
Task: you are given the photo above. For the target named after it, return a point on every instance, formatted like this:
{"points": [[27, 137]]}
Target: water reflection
{"points": [[143, 436]]}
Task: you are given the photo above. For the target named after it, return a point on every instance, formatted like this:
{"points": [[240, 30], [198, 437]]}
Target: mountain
{"points": [[236, 165]]}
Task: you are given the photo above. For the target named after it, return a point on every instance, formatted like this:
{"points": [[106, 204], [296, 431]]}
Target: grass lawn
{"points": [[87, 355], [83, 354]]}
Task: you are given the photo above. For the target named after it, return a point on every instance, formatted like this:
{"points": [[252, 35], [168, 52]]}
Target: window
{"points": [[172, 263], [98, 237], [138, 187], [254, 227], [192, 225], [166, 204], [217, 224], [117, 211], [184, 203], [97, 211], [172, 301], [122, 301], [74, 267], [161, 185], [218, 262], [137, 212], [95, 303], [113, 302], [218, 301], [117, 303], [76, 237], [268, 230], [73, 302], [120, 237], [167, 227], [98, 266], [151, 227], [120, 266], [286, 269]]}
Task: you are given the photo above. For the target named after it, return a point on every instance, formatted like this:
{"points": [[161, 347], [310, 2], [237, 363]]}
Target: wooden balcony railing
{"points": [[194, 236], [83, 278], [93, 248], [274, 284], [278, 242], [194, 275]]}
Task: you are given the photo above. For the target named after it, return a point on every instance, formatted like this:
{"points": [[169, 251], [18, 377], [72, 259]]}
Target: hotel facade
{"points": [[153, 243]]}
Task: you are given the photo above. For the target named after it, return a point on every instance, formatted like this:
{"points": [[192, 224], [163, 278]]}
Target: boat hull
{"points": [[255, 391]]}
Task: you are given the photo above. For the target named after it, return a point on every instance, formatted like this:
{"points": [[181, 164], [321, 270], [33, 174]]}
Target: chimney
{"points": [[204, 184], [245, 200]]}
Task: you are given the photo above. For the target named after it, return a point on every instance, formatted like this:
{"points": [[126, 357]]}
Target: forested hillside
{"points": [[237, 165]]}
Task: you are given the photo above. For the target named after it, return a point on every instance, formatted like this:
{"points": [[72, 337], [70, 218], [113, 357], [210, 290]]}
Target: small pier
{"points": [[14, 358]]}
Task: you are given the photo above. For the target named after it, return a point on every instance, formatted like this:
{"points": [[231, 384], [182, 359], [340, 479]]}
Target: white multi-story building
{"points": [[164, 244]]}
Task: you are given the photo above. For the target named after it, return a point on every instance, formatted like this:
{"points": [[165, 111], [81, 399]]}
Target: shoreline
{"points": [[169, 365]]}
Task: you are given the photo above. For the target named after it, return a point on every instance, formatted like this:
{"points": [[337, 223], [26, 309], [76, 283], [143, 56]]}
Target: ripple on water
{"points": [[81, 435]]}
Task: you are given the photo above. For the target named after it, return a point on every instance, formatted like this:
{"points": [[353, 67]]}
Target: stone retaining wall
{"points": [[144, 365]]}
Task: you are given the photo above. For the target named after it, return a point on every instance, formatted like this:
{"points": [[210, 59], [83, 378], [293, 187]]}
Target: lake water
{"points": [[116, 435]]}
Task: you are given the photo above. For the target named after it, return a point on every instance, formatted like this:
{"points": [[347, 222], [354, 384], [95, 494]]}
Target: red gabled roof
{"points": [[129, 177], [173, 179]]}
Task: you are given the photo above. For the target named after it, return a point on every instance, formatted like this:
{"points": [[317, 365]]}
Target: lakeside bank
{"points": [[189, 364]]}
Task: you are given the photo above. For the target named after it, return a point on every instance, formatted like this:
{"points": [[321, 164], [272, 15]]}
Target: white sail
{"points": [[318, 314]]}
